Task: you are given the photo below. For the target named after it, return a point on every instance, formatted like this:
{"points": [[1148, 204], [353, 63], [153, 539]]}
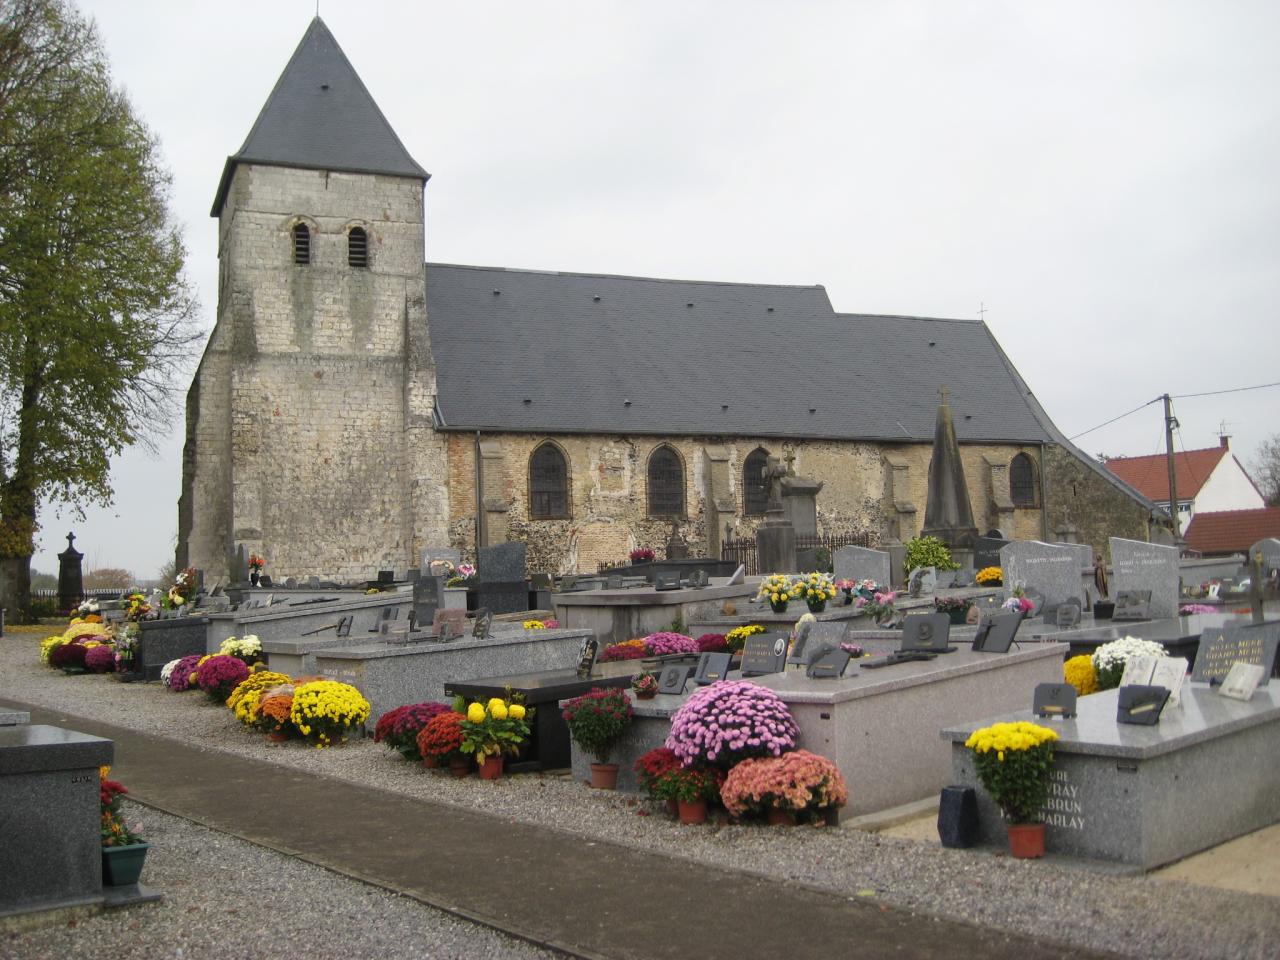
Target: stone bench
{"points": [[1145, 796]]}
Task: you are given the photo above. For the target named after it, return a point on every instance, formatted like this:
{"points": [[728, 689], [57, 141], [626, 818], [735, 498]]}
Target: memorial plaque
{"points": [[698, 579], [484, 622], [1241, 680], [1150, 567], [995, 634], [1140, 705], [829, 664], [666, 580], [457, 619], [923, 582], [674, 676], [1068, 615], [613, 583], [739, 576], [811, 633], [587, 656], [1054, 700], [1132, 605], [926, 633], [711, 667], [1224, 646], [763, 654], [986, 551], [439, 556], [344, 625]]}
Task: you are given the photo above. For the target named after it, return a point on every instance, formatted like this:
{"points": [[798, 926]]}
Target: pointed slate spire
{"points": [[321, 117], [948, 514]]}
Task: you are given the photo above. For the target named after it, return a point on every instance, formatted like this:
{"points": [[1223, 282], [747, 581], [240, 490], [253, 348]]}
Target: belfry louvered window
{"points": [[666, 483], [755, 495], [357, 248], [301, 244], [548, 483]]}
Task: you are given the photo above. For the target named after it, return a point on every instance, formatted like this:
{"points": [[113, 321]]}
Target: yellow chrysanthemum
{"points": [[475, 713]]}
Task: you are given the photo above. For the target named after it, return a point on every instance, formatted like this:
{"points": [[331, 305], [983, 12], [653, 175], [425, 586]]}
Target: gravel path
{"points": [[1134, 916]]}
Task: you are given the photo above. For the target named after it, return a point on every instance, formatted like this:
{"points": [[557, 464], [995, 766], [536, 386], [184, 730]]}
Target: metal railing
{"points": [[743, 551]]}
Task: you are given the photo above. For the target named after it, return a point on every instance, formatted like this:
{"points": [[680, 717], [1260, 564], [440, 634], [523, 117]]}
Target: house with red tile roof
{"points": [[1209, 481], [1225, 532]]}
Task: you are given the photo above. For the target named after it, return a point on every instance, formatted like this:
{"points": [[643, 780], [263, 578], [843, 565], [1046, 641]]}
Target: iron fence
{"points": [[743, 551]]}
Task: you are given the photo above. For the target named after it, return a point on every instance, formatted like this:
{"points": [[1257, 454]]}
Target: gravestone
{"points": [[238, 565], [1053, 571], [457, 618], [995, 634], [1248, 643], [500, 582], [860, 563], [70, 577], [160, 641], [1147, 566], [446, 554], [698, 580], [674, 677], [1270, 550], [428, 597], [986, 551]]}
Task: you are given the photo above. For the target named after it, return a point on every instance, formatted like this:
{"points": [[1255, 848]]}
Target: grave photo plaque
{"points": [[1054, 700], [1132, 605], [995, 634], [763, 654], [1220, 648], [587, 656], [927, 633], [1140, 705], [711, 667], [830, 633], [673, 678]]}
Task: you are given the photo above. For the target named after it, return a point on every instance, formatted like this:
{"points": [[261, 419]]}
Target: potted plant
{"points": [[179, 675], [218, 675], [815, 589], [692, 788], [879, 606], [847, 587], [247, 648], [491, 729], [957, 608], [727, 722], [649, 770], [440, 742], [736, 638], [1078, 671], [1013, 762], [990, 577], [245, 700], [399, 728], [779, 589], [641, 555], [644, 685], [275, 713], [795, 786], [326, 712], [597, 720], [256, 563], [123, 851], [1109, 659], [928, 552]]}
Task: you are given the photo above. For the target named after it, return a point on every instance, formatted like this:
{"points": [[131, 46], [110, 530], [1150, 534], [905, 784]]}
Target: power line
{"points": [[1214, 393], [1114, 419]]}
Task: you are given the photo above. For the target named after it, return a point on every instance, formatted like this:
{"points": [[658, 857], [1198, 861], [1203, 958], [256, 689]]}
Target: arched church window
{"points": [[301, 244], [755, 494], [548, 483], [666, 483], [1022, 481], [357, 248]]}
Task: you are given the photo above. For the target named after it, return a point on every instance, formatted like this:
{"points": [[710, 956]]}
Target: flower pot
{"points": [[777, 817], [673, 808], [646, 695], [254, 577], [122, 866], [692, 811], [491, 767], [277, 737], [778, 607], [848, 598], [1103, 609], [430, 763], [1026, 840], [958, 616], [460, 767], [817, 606], [604, 776]]}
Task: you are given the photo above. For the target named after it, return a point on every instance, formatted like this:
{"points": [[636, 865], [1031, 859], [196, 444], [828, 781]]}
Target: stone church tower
{"points": [[318, 379]]}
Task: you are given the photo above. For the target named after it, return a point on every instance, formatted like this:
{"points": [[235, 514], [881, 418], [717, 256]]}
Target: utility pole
{"points": [[1169, 423]]}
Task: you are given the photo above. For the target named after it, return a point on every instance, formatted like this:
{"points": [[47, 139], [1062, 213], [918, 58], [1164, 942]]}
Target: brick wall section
{"points": [[314, 387]]}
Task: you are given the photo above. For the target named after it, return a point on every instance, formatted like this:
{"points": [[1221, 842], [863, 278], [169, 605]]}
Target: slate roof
{"points": [[705, 359], [1151, 474], [1231, 531], [321, 117]]}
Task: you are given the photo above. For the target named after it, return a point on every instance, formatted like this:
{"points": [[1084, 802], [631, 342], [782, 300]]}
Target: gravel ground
{"points": [[1134, 916]]}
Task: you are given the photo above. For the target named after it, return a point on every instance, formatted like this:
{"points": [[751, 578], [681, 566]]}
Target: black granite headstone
{"points": [[829, 662], [500, 582], [428, 597], [986, 552], [160, 641], [764, 654], [995, 634], [1248, 643]]}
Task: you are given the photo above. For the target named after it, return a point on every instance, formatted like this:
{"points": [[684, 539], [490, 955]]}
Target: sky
{"points": [[1095, 180]]}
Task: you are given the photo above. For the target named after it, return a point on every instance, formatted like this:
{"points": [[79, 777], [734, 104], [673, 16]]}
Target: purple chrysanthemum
{"points": [[664, 643], [729, 721], [100, 659]]}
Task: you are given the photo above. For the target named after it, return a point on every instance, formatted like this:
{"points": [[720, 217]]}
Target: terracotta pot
{"points": [[695, 812], [430, 762], [777, 817], [604, 776], [1026, 840], [491, 767], [460, 767], [277, 737], [673, 808]]}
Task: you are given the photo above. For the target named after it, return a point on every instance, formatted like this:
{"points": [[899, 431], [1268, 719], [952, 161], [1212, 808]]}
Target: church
{"points": [[357, 404]]}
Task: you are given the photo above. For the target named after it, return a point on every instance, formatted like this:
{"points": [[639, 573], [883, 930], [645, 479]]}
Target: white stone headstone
{"points": [[1050, 569]]}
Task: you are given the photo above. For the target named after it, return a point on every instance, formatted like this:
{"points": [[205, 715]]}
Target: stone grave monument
{"points": [[861, 563], [1147, 566], [500, 585], [775, 537], [1053, 571], [948, 513]]}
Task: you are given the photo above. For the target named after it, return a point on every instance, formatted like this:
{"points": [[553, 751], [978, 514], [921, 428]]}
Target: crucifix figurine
{"points": [[772, 474]]}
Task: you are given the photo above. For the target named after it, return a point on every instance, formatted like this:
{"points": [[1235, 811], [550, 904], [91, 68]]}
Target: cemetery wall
{"points": [[308, 367]]}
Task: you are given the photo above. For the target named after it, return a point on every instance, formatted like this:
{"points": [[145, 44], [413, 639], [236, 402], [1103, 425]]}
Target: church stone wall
{"points": [[313, 365]]}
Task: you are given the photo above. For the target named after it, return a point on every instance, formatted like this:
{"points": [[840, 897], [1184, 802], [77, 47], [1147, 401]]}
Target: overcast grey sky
{"points": [[1101, 175]]}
